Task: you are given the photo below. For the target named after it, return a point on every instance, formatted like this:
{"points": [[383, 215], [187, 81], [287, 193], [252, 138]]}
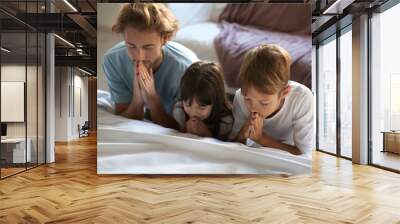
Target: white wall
{"points": [[61, 103], [14, 73], [107, 15], [79, 117], [33, 126], [69, 82], [17, 73]]}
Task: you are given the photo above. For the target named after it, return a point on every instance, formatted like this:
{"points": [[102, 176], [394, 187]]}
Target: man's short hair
{"points": [[147, 17]]}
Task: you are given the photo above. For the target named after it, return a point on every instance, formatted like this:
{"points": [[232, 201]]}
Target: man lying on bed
{"points": [[145, 69]]}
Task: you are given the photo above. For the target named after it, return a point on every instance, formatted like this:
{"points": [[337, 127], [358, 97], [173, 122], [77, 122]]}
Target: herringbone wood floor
{"points": [[70, 191]]}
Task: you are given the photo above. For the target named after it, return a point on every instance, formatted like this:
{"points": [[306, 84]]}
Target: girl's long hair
{"points": [[204, 82]]}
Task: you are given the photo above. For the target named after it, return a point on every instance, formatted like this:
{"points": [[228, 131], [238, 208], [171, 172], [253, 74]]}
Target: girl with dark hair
{"points": [[204, 109]]}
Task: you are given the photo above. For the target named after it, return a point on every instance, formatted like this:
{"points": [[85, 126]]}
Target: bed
{"points": [[225, 32], [127, 146]]}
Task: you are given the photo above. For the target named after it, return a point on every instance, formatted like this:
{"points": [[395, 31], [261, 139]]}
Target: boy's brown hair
{"points": [[147, 17], [267, 68]]}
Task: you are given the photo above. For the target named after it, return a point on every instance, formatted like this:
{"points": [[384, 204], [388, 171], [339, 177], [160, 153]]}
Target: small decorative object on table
{"points": [[84, 130]]}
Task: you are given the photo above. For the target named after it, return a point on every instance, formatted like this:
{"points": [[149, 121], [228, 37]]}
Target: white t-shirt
{"points": [[225, 124], [293, 124]]}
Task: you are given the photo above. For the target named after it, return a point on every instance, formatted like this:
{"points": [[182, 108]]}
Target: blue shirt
{"points": [[119, 72]]}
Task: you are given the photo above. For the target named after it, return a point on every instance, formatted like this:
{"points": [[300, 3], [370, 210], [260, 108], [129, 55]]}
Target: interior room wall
{"points": [[61, 103], [17, 73], [80, 109], [92, 98], [69, 112]]}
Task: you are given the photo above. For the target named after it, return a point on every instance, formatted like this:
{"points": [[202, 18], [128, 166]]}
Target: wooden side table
{"points": [[391, 141]]}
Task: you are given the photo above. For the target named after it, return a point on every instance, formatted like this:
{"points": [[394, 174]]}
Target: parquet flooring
{"points": [[70, 191]]}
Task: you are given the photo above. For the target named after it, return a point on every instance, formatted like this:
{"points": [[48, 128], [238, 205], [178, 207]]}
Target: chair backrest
{"points": [[86, 125]]}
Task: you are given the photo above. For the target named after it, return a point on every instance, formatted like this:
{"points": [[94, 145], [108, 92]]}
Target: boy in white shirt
{"points": [[269, 109]]}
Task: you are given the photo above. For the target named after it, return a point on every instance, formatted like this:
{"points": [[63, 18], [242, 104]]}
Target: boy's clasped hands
{"points": [[252, 128]]}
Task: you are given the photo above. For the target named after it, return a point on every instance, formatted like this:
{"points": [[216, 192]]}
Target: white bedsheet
{"points": [[128, 146]]}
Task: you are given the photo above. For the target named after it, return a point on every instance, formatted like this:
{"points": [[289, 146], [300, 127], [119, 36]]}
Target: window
{"points": [[346, 75], [327, 96], [22, 65], [385, 84]]}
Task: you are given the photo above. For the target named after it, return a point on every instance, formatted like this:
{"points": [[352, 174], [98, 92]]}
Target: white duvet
{"points": [[128, 146]]}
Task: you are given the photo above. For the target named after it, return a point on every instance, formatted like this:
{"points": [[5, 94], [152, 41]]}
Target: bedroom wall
{"points": [[107, 15], [71, 102]]}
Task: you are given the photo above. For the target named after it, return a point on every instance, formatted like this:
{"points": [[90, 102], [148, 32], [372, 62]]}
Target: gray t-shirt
{"points": [[119, 70]]}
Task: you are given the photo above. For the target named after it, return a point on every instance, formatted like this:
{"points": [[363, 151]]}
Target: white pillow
{"points": [[191, 13], [200, 39]]}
